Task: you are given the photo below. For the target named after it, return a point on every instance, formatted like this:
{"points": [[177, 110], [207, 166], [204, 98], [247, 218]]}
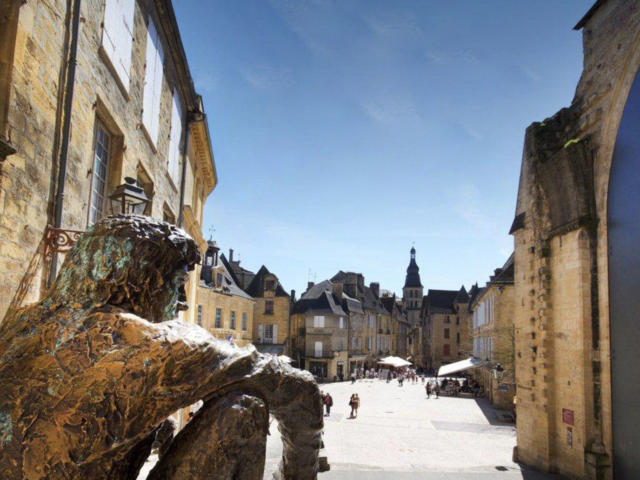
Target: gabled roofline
{"points": [[589, 14]]}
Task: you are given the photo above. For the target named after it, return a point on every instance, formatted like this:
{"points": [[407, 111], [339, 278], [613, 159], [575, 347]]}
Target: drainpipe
{"points": [[66, 131]]}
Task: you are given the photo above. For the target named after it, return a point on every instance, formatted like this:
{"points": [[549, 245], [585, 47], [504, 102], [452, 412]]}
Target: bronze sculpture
{"points": [[89, 373]]}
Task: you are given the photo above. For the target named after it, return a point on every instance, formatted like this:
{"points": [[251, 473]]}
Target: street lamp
{"points": [[128, 198], [498, 372]]}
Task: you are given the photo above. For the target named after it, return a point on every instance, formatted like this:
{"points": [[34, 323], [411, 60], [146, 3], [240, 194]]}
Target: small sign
{"points": [[567, 416], [503, 388], [569, 436]]}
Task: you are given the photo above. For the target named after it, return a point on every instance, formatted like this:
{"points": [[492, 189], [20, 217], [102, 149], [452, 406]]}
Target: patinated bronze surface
{"points": [[88, 374]]}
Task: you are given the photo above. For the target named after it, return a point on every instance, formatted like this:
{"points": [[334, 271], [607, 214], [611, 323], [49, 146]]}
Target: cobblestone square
{"points": [[399, 433]]}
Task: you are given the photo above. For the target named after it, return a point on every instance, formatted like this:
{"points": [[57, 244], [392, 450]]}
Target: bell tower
{"points": [[412, 291]]}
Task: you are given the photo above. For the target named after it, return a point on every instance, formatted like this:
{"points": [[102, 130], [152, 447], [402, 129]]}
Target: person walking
{"points": [[437, 389], [428, 388], [354, 403], [353, 377], [328, 403]]}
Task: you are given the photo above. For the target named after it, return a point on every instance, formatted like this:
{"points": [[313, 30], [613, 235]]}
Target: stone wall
{"points": [[562, 308], [280, 316], [28, 178], [210, 300], [458, 324]]}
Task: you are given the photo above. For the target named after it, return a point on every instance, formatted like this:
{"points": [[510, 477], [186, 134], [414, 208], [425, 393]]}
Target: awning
{"points": [[394, 362], [450, 368]]}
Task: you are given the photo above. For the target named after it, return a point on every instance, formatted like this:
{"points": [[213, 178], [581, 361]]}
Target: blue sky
{"points": [[346, 131]]}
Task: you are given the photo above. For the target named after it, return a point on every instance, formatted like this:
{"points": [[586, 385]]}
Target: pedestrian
{"points": [[353, 377], [428, 388], [328, 403], [354, 403], [437, 389]]}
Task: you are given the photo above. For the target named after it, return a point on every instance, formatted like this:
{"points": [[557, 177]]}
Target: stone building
{"points": [[321, 344], [493, 336], [377, 320], [577, 264], [447, 324], [412, 303], [92, 93], [271, 314], [400, 326], [224, 309]]}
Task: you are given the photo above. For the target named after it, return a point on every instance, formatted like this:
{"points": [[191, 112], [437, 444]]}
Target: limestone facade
{"points": [[562, 323], [224, 309], [493, 337], [271, 314], [448, 327], [108, 137]]}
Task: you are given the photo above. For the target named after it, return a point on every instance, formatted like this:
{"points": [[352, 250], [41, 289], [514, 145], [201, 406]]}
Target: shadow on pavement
{"points": [[494, 415]]}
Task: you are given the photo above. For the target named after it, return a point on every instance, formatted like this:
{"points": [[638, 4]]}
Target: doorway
{"points": [[624, 288]]}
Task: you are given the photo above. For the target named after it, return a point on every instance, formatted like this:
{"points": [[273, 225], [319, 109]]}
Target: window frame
{"points": [[99, 125]]}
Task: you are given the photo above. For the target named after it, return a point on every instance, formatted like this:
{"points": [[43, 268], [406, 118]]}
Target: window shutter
{"points": [[260, 333], [275, 333], [117, 36], [174, 141], [152, 83]]}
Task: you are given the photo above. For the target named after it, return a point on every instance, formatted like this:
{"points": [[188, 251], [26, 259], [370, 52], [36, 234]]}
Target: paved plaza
{"points": [[399, 434]]}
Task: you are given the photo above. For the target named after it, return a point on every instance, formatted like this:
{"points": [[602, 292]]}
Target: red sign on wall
{"points": [[567, 416]]}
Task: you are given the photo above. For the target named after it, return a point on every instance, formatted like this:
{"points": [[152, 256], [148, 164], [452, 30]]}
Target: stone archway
{"points": [[623, 221]]}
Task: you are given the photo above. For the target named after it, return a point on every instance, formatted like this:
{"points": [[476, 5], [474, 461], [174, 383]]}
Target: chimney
{"points": [[375, 288], [230, 255], [337, 289], [309, 285], [293, 296]]}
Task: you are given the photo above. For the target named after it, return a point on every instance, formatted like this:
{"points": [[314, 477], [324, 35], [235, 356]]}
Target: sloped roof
{"points": [[256, 287], [462, 297], [319, 300], [241, 276], [351, 305], [230, 286], [441, 301]]}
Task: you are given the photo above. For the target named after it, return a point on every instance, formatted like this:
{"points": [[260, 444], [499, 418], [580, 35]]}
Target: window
{"points": [[446, 350], [268, 307], [270, 285], [244, 321], [370, 343], [457, 320], [458, 337], [233, 320], [372, 321], [117, 36], [318, 349], [173, 165], [340, 345], [446, 333], [218, 318], [219, 280], [200, 315], [268, 334], [447, 319], [152, 83], [341, 322], [318, 321], [101, 154]]}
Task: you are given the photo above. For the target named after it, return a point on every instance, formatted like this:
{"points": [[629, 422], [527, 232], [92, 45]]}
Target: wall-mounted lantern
{"points": [[498, 372], [128, 198]]}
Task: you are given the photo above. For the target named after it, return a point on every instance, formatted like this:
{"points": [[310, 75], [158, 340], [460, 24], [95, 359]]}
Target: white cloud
{"points": [[393, 25], [391, 109], [266, 77]]}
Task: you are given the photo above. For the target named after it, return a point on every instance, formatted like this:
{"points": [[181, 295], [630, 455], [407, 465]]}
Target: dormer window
{"points": [[270, 285], [219, 280]]}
